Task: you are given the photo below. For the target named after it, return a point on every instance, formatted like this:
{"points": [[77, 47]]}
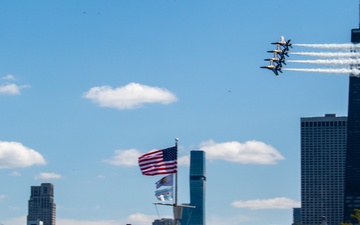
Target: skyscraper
{"points": [[352, 168], [323, 148], [41, 204], [296, 216], [196, 216]]}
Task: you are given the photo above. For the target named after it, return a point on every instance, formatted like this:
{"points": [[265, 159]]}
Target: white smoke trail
{"points": [[330, 46], [352, 72], [328, 54], [331, 62]]}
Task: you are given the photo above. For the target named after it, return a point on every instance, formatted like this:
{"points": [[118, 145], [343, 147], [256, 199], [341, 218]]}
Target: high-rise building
{"points": [[196, 216], [352, 168], [41, 205], [296, 216], [323, 148]]}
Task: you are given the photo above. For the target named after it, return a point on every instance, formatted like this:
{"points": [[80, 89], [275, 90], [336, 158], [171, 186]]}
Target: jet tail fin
{"points": [[289, 44], [282, 39]]}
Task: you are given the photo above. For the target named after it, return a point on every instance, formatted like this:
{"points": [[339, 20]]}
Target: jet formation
{"points": [[281, 51]]}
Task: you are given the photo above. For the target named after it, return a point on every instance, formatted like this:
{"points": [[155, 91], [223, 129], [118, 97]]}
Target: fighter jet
{"points": [[277, 60], [275, 68], [280, 52], [283, 43]]}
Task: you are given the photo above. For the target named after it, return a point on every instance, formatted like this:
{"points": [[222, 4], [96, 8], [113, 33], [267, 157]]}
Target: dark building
{"points": [[323, 149], [162, 221], [296, 216], [41, 204], [196, 216], [352, 166]]}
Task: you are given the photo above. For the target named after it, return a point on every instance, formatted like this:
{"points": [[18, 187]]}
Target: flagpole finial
{"points": [[176, 141]]}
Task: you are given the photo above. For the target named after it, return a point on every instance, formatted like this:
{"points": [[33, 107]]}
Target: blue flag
{"points": [[165, 181]]}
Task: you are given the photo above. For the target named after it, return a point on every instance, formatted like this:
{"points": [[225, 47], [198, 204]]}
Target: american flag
{"points": [[159, 162]]}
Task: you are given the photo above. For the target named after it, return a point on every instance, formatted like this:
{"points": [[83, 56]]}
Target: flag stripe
{"points": [[162, 169], [149, 162], [157, 164]]}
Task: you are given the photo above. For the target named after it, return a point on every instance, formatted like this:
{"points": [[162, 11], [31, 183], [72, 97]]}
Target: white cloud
{"points": [[130, 158], [86, 222], [234, 220], [8, 77], [138, 219], [250, 152], [131, 96], [184, 160], [47, 176], [275, 203], [11, 89], [15, 221], [15, 155], [15, 174], [100, 176], [124, 158], [2, 197]]}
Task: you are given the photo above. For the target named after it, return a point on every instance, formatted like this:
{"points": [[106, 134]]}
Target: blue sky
{"points": [[88, 86]]}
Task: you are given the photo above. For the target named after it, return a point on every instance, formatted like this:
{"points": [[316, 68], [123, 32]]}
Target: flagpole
{"points": [[176, 174], [176, 186]]}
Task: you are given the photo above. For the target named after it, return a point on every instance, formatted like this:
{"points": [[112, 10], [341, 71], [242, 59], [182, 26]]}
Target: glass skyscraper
{"points": [[352, 166], [323, 148], [41, 204], [196, 216]]}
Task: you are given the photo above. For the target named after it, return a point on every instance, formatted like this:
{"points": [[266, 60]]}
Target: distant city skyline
{"points": [[88, 87]]}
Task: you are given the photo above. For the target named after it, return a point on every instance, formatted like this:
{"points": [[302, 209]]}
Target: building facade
{"points": [[323, 150], [163, 221], [296, 216], [196, 216], [41, 205], [352, 169], [38, 222]]}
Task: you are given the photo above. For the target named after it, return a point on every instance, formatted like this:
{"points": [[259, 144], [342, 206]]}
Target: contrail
{"points": [[353, 72], [330, 46], [328, 54], [331, 62]]}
